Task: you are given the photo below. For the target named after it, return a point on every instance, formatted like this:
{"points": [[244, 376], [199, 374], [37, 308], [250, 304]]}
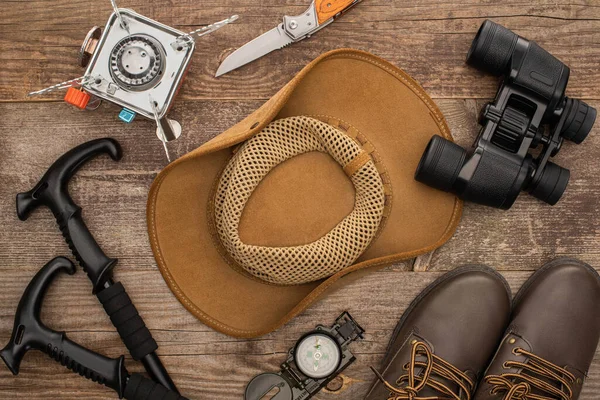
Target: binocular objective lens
{"points": [[492, 48], [440, 164]]}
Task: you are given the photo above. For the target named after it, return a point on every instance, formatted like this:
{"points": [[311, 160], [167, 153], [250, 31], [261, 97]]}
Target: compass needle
{"points": [[322, 355]]}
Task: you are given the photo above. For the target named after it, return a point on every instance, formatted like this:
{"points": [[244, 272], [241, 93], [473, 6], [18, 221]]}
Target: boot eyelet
{"points": [[505, 365], [516, 351]]}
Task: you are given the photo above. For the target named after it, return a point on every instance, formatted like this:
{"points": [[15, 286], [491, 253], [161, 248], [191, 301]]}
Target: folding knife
{"points": [[293, 29]]}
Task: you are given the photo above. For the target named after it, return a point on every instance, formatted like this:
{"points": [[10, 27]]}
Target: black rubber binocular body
{"points": [[529, 110]]}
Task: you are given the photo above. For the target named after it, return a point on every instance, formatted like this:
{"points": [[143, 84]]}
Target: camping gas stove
{"points": [[136, 63]]}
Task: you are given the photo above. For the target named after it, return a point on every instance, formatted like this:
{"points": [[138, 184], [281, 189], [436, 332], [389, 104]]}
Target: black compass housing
{"points": [[530, 110], [290, 383]]}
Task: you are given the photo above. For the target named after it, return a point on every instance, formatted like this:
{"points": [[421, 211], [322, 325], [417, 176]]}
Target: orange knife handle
{"points": [[329, 8]]}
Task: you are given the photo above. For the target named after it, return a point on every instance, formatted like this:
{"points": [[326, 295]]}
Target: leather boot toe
{"points": [[552, 337], [446, 337]]}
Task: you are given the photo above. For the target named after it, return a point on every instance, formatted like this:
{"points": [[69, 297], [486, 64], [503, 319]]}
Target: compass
{"points": [[317, 358], [318, 355]]}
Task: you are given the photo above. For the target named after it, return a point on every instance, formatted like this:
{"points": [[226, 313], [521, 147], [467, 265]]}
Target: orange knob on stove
{"points": [[77, 97]]}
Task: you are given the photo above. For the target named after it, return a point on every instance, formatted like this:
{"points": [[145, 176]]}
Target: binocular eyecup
{"points": [[579, 120], [551, 185]]}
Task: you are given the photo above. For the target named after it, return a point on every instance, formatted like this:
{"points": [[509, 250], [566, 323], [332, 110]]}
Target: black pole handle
{"points": [[52, 191], [141, 388], [30, 333], [125, 317], [106, 371], [86, 250]]}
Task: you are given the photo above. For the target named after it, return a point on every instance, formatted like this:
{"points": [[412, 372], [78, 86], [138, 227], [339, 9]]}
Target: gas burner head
{"points": [[137, 62], [127, 65]]}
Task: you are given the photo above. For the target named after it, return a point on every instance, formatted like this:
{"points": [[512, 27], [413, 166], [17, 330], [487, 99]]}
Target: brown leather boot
{"points": [[446, 337], [552, 338]]}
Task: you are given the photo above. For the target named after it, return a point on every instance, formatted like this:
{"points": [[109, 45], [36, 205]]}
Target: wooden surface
{"points": [[429, 39]]}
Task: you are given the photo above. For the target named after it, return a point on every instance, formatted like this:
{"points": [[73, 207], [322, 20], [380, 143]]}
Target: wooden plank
{"points": [[206, 364], [39, 48], [531, 232]]}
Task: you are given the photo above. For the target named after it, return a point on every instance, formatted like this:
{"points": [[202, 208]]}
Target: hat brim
{"points": [[365, 92]]}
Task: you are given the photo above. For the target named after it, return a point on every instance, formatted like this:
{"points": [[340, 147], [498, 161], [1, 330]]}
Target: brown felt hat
{"points": [[317, 184]]}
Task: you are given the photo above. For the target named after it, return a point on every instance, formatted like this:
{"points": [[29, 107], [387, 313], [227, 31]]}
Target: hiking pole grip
{"points": [[89, 364], [85, 249], [141, 388], [125, 317], [134, 333], [52, 191], [30, 333]]}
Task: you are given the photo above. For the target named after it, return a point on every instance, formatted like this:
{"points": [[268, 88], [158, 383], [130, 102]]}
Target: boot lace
{"points": [[518, 386], [409, 385]]}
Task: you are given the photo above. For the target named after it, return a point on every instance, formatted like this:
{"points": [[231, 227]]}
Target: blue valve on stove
{"points": [[126, 115]]}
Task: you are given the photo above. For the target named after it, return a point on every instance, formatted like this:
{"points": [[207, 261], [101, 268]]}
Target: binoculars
{"points": [[529, 110]]}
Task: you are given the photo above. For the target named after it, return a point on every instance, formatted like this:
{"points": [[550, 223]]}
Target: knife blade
{"points": [[319, 14], [272, 40]]}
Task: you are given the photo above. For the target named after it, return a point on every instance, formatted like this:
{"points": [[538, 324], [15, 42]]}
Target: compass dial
{"points": [[318, 355]]}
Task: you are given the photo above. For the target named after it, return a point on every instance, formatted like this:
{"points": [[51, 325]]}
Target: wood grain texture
{"points": [[429, 39], [328, 8]]}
